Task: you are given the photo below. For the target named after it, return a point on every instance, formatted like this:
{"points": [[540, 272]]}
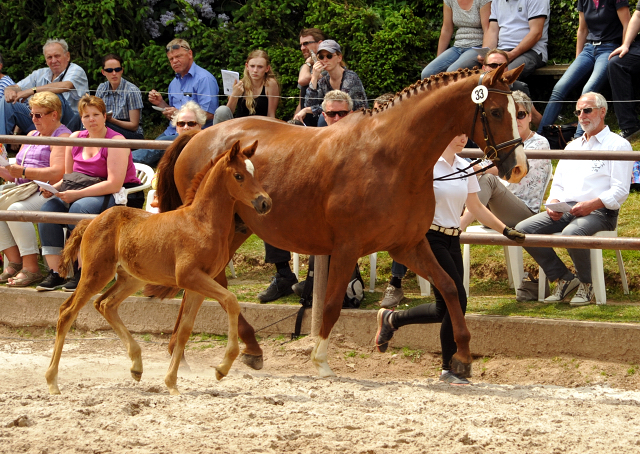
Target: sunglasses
{"points": [[182, 124], [39, 115], [493, 65], [327, 56], [521, 115], [177, 46], [306, 43], [586, 110], [110, 70], [340, 113]]}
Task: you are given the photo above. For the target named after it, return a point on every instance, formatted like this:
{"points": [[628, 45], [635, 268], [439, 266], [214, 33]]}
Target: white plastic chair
{"points": [[145, 175], [597, 271]]}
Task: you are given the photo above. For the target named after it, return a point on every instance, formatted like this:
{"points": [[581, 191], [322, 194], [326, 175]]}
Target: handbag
{"points": [[77, 180], [16, 194], [559, 135], [528, 290]]}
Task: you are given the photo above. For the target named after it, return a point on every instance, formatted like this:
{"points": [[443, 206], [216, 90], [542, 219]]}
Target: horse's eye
{"points": [[496, 113], [238, 177]]}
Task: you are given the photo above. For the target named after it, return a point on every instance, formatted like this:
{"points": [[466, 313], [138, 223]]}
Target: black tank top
{"points": [[261, 105]]}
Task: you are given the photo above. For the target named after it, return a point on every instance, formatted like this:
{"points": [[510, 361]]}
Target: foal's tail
{"points": [[70, 251], [168, 197]]}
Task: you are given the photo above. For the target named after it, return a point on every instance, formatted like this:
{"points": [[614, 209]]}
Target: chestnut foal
{"points": [[185, 248]]}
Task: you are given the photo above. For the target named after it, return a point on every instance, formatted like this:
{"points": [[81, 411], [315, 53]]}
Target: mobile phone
{"points": [[161, 109], [314, 57], [110, 112]]}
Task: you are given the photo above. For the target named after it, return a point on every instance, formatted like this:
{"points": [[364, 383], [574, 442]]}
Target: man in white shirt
{"points": [[594, 189]]}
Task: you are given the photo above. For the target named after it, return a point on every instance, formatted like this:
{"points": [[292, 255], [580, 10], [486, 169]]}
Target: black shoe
{"points": [[385, 330], [631, 134], [72, 283], [53, 281], [280, 286], [298, 288]]}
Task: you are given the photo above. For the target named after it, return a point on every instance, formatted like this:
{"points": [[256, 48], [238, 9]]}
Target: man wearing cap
{"points": [[191, 83], [310, 39]]}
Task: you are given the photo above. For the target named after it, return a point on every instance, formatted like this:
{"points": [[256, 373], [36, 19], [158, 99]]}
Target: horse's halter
{"points": [[490, 146]]}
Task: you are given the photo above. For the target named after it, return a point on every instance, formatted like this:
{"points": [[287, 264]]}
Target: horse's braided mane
{"points": [[198, 179], [428, 83]]}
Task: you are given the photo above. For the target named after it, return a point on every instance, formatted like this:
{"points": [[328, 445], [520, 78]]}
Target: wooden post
{"points": [[320, 277]]}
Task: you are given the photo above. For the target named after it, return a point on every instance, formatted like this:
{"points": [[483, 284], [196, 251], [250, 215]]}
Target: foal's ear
{"points": [[235, 149], [249, 151], [512, 76], [495, 75]]}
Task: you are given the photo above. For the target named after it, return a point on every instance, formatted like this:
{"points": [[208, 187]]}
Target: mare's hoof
{"points": [[253, 361], [174, 391], [461, 369], [136, 375], [219, 374]]}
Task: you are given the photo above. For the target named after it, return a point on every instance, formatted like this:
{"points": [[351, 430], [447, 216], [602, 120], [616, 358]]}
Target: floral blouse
{"points": [[350, 84], [532, 187]]}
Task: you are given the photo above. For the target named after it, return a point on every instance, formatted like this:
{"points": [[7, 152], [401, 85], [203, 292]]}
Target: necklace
{"points": [[529, 136]]}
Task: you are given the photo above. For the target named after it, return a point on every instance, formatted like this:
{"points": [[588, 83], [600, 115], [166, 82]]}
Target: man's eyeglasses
{"points": [[177, 46], [521, 115], [110, 70], [306, 43], [586, 110], [39, 115], [493, 65], [340, 113], [327, 56], [182, 124]]}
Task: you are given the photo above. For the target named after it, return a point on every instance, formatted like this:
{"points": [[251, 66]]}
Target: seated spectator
{"points": [[310, 39], [470, 18], [113, 166], [594, 189], [338, 77], [514, 202], [624, 68], [122, 98], [192, 83], [66, 79], [257, 93], [521, 29], [600, 29], [5, 80], [18, 240]]}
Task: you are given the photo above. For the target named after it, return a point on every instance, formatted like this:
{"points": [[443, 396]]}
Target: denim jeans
{"points": [[151, 157], [554, 268], [623, 72], [451, 60], [20, 114], [52, 235], [592, 59]]}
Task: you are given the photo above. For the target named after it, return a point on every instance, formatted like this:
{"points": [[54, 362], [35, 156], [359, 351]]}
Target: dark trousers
{"points": [[447, 251], [128, 134], [622, 73], [274, 255]]}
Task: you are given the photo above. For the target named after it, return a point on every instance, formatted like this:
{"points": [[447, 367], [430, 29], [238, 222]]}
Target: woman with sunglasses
{"points": [[514, 202], [113, 166], [471, 19], [258, 93], [34, 162], [337, 77], [601, 27], [122, 98]]}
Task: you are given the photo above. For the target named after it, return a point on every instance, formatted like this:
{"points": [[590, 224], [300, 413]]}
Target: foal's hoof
{"points": [[461, 369], [136, 375], [253, 361], [219, 374]]}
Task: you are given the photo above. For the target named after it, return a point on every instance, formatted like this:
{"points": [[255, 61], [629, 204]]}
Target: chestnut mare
{"points": [[186, 248], [362, 185]]}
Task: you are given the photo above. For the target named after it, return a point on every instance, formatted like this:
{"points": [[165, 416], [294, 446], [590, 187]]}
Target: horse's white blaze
{"points": [[512, 111], [249, 166], [521, 159]]}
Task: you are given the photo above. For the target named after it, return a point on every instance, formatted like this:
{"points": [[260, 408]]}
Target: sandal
{"points": [[4, 277], [31, 278]]}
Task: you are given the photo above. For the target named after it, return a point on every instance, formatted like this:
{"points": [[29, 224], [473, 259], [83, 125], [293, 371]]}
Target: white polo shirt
{"points": [[451, 195], [580, 181], [513, 18]]}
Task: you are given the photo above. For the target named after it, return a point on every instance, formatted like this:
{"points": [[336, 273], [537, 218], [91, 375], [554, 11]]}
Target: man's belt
{"points": [[453, 231]]}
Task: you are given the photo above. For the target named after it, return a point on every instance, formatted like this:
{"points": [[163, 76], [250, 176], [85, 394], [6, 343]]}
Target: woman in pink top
{"points": [[18, 240], [114, 166]]}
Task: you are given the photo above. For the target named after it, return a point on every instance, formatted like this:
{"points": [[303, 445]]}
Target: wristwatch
{"points": [[309, 65], [34, 90], [24, 171]]}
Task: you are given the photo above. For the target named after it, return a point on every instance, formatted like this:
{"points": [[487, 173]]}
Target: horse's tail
{"points": [[70, 251], [160, 291], [168, 196]]}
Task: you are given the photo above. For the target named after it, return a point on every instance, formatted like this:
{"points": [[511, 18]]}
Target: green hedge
{"points": [[387, 42]]}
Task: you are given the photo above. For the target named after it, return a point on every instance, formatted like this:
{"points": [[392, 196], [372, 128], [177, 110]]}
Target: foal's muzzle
{"points": [[262, 204]]}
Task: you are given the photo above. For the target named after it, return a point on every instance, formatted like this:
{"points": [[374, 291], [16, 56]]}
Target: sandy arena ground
{"points": [[381, 403]]}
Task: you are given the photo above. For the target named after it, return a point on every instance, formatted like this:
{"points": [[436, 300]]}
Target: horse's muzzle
{"points": [[262, 204]]}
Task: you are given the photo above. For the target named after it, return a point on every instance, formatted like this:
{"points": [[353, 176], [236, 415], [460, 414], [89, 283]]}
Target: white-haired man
{"points": [[593, 190]]}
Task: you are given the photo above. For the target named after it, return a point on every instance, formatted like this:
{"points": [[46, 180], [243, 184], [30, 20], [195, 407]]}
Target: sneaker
{"points": [[53, 281], [453, 379], [631, 134], [298, 288], [385, 330], [392, 297], [72, 283], [280, 286], [563, 288], [584, 295]]}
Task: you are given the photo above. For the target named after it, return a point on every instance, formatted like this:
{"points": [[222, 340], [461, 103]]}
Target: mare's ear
{"points": [[249, 151], [494, 75], [235, 149], [512, 76]]}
